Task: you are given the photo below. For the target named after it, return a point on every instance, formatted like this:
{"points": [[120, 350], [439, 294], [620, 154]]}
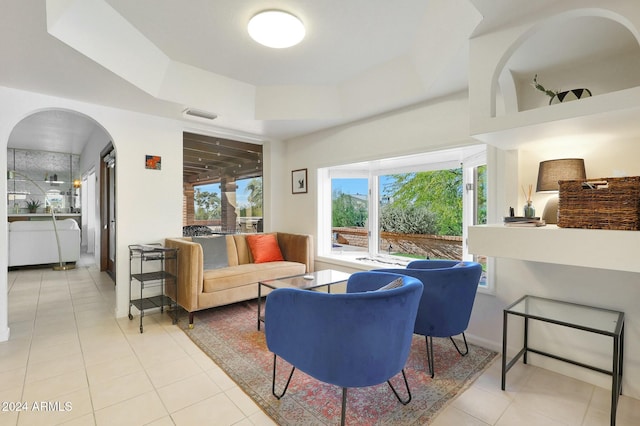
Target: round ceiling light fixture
{"points": [[276, 29]]}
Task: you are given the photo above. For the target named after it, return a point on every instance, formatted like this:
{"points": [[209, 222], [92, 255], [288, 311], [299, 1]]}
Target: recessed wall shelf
{"points": [[604, 115], [591, 248], [565, 49]]}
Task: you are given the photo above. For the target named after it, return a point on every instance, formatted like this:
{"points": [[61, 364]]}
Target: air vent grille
{"points": [[193, 112]]}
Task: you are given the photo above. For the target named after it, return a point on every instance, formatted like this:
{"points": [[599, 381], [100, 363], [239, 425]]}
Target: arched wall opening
{"points": [[567, 51], [52, 133]]}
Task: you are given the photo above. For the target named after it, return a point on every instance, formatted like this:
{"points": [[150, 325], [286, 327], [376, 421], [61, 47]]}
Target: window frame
{"points": [[465, 157]]}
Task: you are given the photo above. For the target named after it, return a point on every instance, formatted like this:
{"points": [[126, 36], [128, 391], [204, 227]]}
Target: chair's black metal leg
{"points": [[466, 346], [344, 406], [406, 385], [273, 385], [429, 342]]}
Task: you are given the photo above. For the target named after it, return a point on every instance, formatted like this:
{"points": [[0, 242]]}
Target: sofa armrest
{"points": [[190, 271], [297, 248]]}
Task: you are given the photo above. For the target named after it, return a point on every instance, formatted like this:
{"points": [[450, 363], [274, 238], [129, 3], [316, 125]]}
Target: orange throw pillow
{"points": [[264, 248]]}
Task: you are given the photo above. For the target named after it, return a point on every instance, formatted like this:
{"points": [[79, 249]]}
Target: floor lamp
{"points": [[552, 171], [61, 266]]}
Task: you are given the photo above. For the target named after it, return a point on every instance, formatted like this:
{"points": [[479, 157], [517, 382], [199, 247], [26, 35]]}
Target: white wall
{"points": [[427, 127], [149, 202]]}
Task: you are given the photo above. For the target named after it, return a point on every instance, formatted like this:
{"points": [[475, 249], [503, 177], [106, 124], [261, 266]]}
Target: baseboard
{"points": [[485, 343]]}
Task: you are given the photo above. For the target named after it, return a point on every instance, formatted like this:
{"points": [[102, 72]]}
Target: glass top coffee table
{"points": [[311, 281]]}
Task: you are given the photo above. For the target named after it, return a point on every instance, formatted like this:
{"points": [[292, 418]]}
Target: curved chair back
{"points": [[447, 299], [360, 338]]}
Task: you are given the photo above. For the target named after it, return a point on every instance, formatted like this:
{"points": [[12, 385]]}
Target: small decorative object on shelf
{"points": [[557, 97], [33, 205], [529, 210], [521, 221]]}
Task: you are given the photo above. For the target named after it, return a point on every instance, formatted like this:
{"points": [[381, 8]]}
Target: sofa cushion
{"points": [[250, 273], [214, 252], [264, 248]]}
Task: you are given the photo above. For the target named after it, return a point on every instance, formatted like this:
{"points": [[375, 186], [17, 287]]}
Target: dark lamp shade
{"points": [[551, 171]]}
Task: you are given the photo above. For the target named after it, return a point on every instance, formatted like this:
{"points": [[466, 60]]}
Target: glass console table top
{"points": [[598, 320]]}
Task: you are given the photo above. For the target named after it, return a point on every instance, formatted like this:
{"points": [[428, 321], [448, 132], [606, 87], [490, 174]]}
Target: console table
{"points": [[587, 318]]}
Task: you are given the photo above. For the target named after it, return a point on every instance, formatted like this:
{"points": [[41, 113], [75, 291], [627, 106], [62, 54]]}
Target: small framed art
{"points": [[299, 181], [153, 162]]}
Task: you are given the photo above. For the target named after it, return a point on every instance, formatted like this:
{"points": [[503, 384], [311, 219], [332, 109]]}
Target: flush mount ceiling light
{"points": [[276, 29]]}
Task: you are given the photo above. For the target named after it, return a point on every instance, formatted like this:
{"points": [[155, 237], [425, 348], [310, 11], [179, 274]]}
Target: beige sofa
{"points": [[202, 289]]}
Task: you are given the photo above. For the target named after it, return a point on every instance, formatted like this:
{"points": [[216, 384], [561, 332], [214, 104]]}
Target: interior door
{"points": [[108, 212]]}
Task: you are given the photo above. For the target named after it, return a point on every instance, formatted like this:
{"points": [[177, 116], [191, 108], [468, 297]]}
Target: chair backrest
{"points": [[447, 299], [356, 339]]}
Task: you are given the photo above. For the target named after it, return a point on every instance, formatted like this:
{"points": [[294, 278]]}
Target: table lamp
{"points": [[549, 173]]}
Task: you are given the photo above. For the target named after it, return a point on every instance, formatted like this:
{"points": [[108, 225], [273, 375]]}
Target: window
{"points": [[391, 211], [244, 197], [206, 199], [223, 183], [349, 214]]}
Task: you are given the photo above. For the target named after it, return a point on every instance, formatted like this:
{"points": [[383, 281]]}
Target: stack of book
{"points": [[523, 221]]}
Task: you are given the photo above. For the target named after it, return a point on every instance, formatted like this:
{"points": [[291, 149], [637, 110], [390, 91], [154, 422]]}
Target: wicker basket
{"points": [[607, 203]]}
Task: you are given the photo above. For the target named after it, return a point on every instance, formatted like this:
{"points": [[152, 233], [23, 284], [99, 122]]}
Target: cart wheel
{"points": [[130, 317], [140, 329]]}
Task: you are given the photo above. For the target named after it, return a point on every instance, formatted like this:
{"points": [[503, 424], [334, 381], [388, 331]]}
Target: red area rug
{"points": [[230, 337]]}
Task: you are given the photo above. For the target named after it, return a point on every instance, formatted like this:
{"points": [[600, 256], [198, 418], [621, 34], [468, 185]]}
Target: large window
{"points": [[223, 183], [392, 211]]}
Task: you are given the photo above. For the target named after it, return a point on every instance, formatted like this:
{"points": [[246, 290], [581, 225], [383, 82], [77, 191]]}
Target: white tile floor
{"points": [[66, 347]]}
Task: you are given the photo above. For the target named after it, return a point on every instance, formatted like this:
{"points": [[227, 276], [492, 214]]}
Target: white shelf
{"points": [[610, 113], [591, 248]]}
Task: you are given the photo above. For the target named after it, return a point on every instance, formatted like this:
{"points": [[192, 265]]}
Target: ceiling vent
{"points": [[192, 112]]}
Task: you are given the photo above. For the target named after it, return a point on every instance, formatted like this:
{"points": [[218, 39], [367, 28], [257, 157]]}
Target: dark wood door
{"points": [[108, 212]]}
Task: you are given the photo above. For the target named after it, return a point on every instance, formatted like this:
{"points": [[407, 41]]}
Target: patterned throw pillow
{"points": [[195, 230], [393, 284]]}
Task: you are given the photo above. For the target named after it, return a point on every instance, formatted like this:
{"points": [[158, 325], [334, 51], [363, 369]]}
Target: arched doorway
{"points": [[48, 136]]}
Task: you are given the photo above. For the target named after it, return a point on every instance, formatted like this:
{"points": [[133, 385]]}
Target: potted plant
{"points": [[32, 205], [557, 97]]}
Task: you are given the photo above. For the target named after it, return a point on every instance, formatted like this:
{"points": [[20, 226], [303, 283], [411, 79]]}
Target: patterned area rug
{"points": [[230, 337]]}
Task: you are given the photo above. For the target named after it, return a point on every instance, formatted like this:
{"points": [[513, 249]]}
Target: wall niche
{"points": [[569, 54]]}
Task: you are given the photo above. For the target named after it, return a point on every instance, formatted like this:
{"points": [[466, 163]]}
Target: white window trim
{"points": [[469, 157]]}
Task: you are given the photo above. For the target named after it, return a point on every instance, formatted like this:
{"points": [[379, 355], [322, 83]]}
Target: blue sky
{"points": [[349, 186], [355, 186]]}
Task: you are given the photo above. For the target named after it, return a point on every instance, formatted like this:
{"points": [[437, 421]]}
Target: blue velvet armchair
{"points": [[447, 299], [356, 339]]}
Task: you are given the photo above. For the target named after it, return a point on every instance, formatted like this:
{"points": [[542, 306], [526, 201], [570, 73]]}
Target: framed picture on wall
{"points": [[153, 162], [299, 181]]}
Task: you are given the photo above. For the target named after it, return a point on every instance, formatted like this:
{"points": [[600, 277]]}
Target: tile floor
{"points": [[81, 366]]}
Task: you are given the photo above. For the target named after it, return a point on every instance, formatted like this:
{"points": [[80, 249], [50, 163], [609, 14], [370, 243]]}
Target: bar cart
{"points": [[153, 283]]}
